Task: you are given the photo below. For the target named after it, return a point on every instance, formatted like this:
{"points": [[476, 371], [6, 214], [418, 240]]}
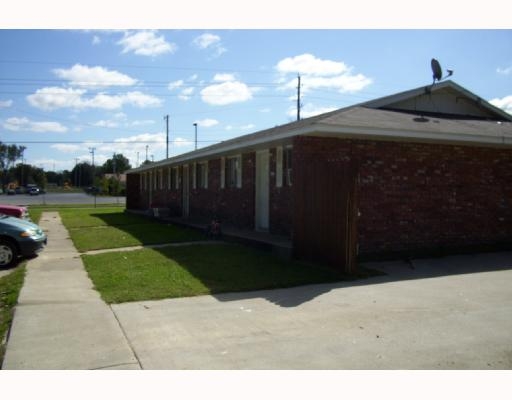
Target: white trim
{"points": [[366, 133], [279, 166]]}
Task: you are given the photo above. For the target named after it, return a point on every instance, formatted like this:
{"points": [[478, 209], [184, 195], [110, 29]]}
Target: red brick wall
{"points": [[416, 197], [133, 200], [231, 205], [281, 202]]}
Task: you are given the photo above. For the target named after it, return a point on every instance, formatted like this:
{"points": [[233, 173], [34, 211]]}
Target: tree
{"points": [[9, 154], [118, 164], [82, 175]]}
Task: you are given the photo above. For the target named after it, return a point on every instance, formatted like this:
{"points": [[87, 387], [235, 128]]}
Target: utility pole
{"points": [[147, 152], [195, 125], [91, 150], [167, 135], [76, 171], [298, 98]]}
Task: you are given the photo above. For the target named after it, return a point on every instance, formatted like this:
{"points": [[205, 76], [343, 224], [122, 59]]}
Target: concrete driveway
{"points": [[447, 313]]}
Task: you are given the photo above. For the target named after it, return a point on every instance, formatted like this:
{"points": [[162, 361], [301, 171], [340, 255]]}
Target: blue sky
{"points": [[63, 92]]}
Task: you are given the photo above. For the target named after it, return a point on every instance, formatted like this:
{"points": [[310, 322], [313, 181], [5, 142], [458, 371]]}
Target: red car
{"points": [[14, 211]]}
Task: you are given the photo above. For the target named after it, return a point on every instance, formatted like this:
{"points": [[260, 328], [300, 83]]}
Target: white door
{"points": [[185, 192], [262, 191]]}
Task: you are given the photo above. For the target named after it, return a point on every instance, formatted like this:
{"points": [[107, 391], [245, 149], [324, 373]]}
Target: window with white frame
{"points": [[202, 175], [233, 175]]}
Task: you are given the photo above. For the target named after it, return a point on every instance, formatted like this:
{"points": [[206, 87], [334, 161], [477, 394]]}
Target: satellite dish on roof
{"points": [[437, 72]]}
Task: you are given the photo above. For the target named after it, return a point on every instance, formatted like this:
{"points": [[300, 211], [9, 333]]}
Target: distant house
{"points": [[425, 170], [120, 177]]}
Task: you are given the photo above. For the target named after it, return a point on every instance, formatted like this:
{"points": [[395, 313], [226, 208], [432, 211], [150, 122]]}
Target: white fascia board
{"points": [[237, 147], [368, 133]]}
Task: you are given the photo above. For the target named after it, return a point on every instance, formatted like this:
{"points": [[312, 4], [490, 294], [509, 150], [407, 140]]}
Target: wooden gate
{"points": [[325, 213]]}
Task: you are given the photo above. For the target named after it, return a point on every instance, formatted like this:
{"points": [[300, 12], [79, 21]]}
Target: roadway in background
{"points": [[59, 198]]}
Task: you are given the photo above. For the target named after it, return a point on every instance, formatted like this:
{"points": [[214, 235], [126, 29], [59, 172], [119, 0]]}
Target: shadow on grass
{"points": [[248, 273], [98, 231]]}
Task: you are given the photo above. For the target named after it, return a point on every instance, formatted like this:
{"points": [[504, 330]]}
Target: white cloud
{"points": [[226, 93], [93, 77], [67, 148], [210, 41], [120, 116], [141, 122], [24, 124], [96, 40], [51, 98], [192, 77], [308, 64], [309, 110], [223, 77], [206, 40], [186, 94], [175, 84], [317, 73], [241, 127], [5, 103], [146, 43], [181, 142], [504, 103], [504, 71], [207, 123], [106, 124]]}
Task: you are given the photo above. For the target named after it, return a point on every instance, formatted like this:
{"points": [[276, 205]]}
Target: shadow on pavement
{"points": [[215, 272]]}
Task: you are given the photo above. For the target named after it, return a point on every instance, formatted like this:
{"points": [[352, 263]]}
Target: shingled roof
{"points": [[400, 117]]}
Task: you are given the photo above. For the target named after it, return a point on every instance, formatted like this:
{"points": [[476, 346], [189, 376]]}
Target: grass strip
{"points": [[10, 286], [171, 272]]}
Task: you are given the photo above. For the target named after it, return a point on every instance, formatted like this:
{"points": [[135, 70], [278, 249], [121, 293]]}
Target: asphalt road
{"points": [[59, 198]]}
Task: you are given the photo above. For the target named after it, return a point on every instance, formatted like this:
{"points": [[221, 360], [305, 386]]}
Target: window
{"points": [[176, 178], [287, 166], [169, 178], [141, 182], [234, 172], [279, 166], [202, 175], [160, 179]]}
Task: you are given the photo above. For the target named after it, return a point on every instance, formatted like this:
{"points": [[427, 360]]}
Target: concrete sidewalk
{"points": [[60, 320]]}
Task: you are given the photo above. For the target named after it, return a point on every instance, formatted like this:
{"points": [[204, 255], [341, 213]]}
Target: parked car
{"points": [[11, 191], [14, 211], [34, 191], [19, 237]]}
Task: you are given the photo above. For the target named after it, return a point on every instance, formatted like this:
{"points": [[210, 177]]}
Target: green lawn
{"points": [[106, 216], [10, 286], [111, 227], [195, 270], [111, 237]]}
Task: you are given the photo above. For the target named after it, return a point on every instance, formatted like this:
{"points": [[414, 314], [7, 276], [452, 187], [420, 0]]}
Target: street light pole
{"points": [[195, 126]]}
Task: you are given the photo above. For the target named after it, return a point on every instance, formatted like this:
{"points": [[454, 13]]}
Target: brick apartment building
{"points": [[421, 171]]}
